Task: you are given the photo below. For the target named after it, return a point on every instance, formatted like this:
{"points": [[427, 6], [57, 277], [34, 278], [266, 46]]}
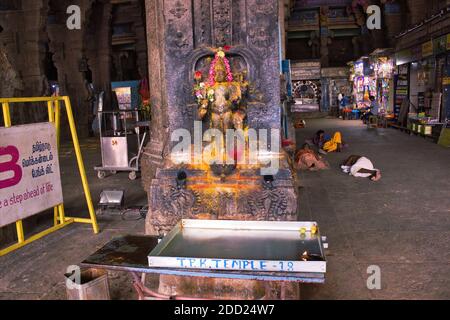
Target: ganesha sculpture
{"points": [[222, 96]]}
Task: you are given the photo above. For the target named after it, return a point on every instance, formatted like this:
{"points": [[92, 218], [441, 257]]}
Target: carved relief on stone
{"points": [[203, 20], [271, 203], [261, 25], [199, 200], [178, 201], [173, 205], [10, 80], [179, 10], [259, 37], [265, 8], [238, 23], [180, 40], [215, 205], [222, 19], [187, 112], [179, 27]]}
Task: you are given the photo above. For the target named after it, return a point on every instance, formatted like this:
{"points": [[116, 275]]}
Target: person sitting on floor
{"points": [[320, 138], [372, 110], [360, 167], [334, 144], [307, 159], [326, 143]]}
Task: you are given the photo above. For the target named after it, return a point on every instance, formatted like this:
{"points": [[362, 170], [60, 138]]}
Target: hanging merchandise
{"points": [[364, 82], [358, 80], [401, 87], [383, 69]]}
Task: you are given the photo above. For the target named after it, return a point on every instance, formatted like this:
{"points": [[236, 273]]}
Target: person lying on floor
{"points": [[361, 167], [307, 159], [327, 143]]}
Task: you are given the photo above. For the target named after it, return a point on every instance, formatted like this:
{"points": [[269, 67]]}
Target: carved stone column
{"points": [[23, 39], [325, 39], [156, 149], [180, 36], [67, 47], [98, 47]]}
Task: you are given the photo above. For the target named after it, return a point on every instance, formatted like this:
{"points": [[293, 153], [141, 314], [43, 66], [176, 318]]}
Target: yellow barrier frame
{"points": [[60, 219]]}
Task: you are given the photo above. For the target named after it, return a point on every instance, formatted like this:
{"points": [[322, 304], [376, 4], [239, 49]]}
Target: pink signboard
{"points": [[30, 179]]}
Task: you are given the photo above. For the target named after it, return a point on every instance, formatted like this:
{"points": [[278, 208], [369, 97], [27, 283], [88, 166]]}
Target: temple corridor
{"points": [[400, 223]]}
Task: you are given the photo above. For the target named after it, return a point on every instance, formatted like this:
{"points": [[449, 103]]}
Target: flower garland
{"points": [[212, 71], [204, 91]]}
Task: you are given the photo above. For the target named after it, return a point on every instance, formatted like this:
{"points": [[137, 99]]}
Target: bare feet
{"points": [[377, 176]]}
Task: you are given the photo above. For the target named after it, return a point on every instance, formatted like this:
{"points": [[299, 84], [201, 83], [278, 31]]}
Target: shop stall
{"points": [[364, 82], [401, 91], [420, 87], [334, 82], [383, 66]]}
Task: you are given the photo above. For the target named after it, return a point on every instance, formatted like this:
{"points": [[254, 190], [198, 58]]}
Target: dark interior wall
{"points": [[341, 51], [34, 36], [10, 4], [97, 50], [298, 49], [129, 39], [418, 10], [50, 70], [22, 41]]}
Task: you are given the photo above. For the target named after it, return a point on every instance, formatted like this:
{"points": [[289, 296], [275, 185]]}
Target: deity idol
{"points": [[221, 96]]}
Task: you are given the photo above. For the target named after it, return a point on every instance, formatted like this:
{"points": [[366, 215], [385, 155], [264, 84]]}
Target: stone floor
{"points": [[37, 270], [401, 224]]}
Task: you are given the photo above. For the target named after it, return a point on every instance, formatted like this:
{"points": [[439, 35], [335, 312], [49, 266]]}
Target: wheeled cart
{"points": [[122, 139]]}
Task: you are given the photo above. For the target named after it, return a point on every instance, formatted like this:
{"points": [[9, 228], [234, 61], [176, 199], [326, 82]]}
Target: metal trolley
{"points": [[122, 139]]}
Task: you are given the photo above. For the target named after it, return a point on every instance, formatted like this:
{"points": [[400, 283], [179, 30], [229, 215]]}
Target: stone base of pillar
{"points": [[227, 289]]}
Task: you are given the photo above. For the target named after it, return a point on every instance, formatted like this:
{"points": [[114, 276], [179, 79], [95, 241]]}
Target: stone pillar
{"points": [[10, 81], [23, 42], [325, 39], [98, 47], [68, 48], [21, 69], [141, 36], [180, 36], [283, 22], [10, 85], [154, 152]]}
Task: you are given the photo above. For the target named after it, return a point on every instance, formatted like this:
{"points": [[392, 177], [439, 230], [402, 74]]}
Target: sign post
{"points": [[30, 179]]}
